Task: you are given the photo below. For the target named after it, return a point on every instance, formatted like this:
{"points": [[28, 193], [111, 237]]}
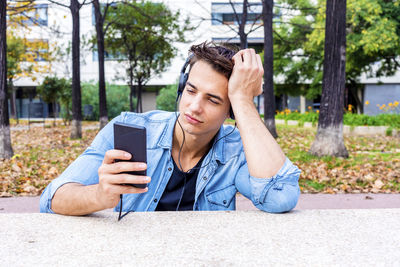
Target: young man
{"points": [[194, 161]]}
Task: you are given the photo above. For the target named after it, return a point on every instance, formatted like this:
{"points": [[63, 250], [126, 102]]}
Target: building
{"points": [[213, 19]]}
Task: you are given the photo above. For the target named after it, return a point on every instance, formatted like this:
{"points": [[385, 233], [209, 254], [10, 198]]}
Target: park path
{"points": [[306, 201]]}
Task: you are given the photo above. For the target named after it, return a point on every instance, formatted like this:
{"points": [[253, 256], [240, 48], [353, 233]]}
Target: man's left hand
{"points": [[245, 82]]}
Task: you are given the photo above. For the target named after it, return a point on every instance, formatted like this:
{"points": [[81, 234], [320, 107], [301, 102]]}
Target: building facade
{"points": [[214, 20]]}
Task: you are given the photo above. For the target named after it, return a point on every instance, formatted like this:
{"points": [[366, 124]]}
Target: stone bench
{"points": [[302, 237]]}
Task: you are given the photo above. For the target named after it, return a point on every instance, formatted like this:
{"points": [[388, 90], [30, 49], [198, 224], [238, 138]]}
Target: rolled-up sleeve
{"points": [[276, 194], [84, 169]]}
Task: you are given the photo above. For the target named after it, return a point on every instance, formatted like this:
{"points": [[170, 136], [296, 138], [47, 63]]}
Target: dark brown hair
{"points": [[219, 56]]}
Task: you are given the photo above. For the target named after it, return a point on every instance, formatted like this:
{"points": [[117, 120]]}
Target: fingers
{"points": [[248, 57], [115, 189], [113, 154], [122, 166], [125, 178], [259, 63]]}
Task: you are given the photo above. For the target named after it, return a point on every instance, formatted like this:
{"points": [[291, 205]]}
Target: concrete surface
{"points": [[306, 201], [302, 238]]}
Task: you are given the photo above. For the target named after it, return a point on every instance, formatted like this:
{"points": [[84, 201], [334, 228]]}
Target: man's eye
{"points": [[213, 101], [190, 91]]}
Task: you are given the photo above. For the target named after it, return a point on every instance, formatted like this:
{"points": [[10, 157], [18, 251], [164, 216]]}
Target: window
{"points": [[36, 16], [223, 13], [37, 50], [112, 6], [108, 56]]}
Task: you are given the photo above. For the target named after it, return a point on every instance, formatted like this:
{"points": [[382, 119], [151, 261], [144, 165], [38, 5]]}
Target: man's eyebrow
{"points": [[214, 96]]}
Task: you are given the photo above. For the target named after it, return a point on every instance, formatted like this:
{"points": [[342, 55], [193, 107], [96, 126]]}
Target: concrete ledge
{"points": [[301, 238], [306, 201]]}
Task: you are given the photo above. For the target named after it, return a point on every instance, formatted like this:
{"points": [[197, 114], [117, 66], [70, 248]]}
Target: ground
{"points": [[42, 153]]}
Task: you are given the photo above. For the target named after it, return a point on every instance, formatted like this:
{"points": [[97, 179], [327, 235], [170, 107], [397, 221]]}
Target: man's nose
{"points": [[196, 105]]}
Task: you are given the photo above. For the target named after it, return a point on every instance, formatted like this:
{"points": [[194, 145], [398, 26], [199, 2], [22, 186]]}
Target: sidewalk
{"points": [[306, 201]]}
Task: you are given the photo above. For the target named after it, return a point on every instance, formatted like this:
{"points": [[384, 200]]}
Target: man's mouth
{"points": [[192, 120]]}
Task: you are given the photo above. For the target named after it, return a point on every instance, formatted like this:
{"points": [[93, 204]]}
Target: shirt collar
{"points": [[167, 135]]}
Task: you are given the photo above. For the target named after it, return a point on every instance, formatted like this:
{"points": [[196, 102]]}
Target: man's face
{"points": [[204, 104]]}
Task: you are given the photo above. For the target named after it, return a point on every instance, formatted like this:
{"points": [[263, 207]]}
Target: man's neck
{"points": [[194, 147]]}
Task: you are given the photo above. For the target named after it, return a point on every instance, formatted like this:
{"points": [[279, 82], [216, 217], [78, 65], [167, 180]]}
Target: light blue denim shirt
{"points": [[217, 183]]}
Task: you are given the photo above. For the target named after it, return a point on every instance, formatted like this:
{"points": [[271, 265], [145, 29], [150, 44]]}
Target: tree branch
{"points": [[58, 3]]}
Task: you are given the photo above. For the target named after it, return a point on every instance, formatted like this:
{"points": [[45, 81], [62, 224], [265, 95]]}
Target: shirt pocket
{"points": [[222, 198]]}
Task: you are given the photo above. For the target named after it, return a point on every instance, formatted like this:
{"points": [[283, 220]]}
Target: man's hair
{"points": [[219, 56]]}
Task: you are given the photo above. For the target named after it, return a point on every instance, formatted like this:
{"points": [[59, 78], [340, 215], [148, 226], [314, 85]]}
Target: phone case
{"points": [[132, 139]]}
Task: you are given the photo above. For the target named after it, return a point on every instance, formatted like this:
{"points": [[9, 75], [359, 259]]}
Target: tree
{"points": [[13, 7], [5, 138], [76, 126], [15, 54], [100, 15], [329, 138], [51, 90], [373, 43], [24, 60], [269, 97], [240, 18], [142, 35], [166, 99]]}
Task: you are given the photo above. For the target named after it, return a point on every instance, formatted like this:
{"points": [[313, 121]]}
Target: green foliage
{"points": [[54, 89], [301, 117], [15, 54], [167, 97], [50, 88], [389, 131], [373, 35], [117, 98], [142, 34], [351, 119]]}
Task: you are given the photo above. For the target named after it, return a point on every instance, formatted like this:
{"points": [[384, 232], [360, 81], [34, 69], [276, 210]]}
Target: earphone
{"points": [[183, 79]]}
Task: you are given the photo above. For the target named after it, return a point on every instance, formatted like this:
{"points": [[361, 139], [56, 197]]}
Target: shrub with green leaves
{"points": [[351, 119], [117, 98], [167, 97], [54, 90]]}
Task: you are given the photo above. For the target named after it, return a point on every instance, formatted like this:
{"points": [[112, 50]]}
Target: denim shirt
{"points": [[224, 174]]}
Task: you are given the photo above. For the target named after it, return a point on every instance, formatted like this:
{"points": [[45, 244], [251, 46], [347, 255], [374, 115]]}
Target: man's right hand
{"points": [[111, 178]]}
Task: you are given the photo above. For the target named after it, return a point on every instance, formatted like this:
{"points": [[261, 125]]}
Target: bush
{"points": [[117, 98], [167, 97], [54, 89], [351, 119]]}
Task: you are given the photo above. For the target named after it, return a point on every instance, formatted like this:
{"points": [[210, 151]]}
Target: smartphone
{"points": [[132, 139]]}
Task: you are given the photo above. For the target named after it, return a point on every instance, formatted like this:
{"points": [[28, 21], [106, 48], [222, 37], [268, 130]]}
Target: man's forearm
{"points": [[263, 154], [76, 199]]}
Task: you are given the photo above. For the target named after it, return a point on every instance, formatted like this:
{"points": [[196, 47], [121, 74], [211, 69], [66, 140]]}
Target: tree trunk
{"points": [[76, 126], [284, 101], [13, 102], [139, 105], [100, 48], [54, 112], [329, 138], [6, 151], [131, 86], [269, 97], [242, 25]]}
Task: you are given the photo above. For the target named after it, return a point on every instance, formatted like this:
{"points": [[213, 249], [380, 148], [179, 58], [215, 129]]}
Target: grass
{"points": [[42, 154]]}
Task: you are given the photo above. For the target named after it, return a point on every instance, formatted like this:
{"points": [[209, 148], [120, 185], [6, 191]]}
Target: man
{"points": [[194, 161]]}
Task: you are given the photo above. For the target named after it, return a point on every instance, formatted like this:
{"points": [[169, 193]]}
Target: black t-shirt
{"points": [[173, 190]]}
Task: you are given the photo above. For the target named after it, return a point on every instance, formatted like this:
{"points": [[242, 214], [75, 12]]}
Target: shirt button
{"points": [[155, 200], [170, 169], [205, 178], [224, 201]]}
